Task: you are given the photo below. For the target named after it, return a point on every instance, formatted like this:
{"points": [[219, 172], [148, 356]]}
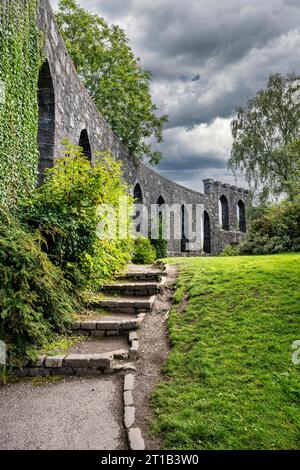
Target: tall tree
{"points": [[263, 132], [114, 77]]}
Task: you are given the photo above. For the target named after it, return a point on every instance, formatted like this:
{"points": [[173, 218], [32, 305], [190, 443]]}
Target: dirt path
{"points": [[154, 349]]}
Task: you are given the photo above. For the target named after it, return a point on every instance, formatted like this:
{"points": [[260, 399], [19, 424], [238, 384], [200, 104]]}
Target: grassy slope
{"points": [[230, 380]]}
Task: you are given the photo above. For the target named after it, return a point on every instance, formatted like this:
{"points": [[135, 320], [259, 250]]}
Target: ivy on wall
{"points": [[20, 61]]}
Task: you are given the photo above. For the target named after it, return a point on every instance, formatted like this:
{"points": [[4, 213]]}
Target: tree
{"points": [[113, 76], [263, 132]]}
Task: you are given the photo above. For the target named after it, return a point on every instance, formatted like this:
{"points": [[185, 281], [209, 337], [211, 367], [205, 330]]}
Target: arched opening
{"points": [[242, 216], [224, 209], [184, 224], [84, 142], [160, 203], [206, 233], [138, 199], [46, 120]]}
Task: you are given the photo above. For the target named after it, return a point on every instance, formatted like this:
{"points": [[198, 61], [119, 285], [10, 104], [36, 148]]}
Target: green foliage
{"points": [[230, 250], [144, 252], [161, 244], [263, 130], [20, 60], [229, 379], [35, 299], [65, 209], [114, 77], [276, 230], [161, 247]]}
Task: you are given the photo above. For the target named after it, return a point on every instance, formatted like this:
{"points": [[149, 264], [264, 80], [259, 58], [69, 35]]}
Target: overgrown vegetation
{"points": [[54, 251], [65, 210], [160, 243], [144, 253], [230, 382], [20, 61], [114, 77], [273, 229], [35, 299]]}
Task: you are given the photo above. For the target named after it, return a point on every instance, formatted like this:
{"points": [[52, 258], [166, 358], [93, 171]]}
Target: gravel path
{"points": [[70, 414]]}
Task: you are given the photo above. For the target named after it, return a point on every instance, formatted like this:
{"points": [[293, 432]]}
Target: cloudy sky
{"points": [[206, 58]]}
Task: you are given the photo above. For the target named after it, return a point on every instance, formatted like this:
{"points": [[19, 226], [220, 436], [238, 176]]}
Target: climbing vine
{"points": [[20, 61]]}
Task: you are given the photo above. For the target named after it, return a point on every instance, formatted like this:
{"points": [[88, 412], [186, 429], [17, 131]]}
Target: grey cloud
{"points": [[232, 46]]}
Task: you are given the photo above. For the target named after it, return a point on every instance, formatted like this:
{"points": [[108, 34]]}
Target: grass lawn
{"points": [[230, 382]]}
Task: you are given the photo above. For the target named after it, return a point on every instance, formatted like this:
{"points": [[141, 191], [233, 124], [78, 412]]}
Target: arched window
{"points": [[161, 210], [138, 199], [184, 225], [137, 194], [224, 213], [160, 201], [46, 120], [206, 233], [242, 216], [84, 142]]}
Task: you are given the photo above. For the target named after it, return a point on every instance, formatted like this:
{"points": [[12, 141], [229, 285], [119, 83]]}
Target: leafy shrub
{"points": [[65, 209], [35, 299], [276, 230], [230, 250], [144, 253], [161, 248], [161, 244]]}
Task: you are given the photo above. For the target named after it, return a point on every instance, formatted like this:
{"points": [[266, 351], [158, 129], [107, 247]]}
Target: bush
{"points": [[144, 252], [276, 230], [161, 248], [230, 250], [35, 299], [65, 209]]}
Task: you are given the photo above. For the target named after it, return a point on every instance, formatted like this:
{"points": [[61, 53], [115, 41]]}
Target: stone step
{"points": [[142, 273], [109, 325], [128, 304], [92, 356], [137, 288]]}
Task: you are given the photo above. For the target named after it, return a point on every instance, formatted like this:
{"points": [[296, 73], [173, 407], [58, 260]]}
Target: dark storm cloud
{"points": [[206, 58]]}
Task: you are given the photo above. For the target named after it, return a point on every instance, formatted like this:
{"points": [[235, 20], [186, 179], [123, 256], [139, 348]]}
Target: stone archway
{"points": [[184, 225], [224, 208], [46, 120], [138, 199], [242, 216], [206, 233], [84, 143]]}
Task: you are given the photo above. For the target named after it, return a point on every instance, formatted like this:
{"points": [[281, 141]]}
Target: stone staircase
{"points": [[108, 339]]}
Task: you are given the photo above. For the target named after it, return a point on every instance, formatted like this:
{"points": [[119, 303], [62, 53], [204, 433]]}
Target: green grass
{"points": [[230, 382]]}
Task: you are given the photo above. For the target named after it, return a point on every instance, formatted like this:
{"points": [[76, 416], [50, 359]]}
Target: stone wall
{"points": [[73, 111]]}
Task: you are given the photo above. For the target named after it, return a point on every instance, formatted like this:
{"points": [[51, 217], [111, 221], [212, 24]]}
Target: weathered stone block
{"points": [[108, 325], [136, 442], [100, 360], [112, 332], [128, 382], [132, 336], [97, 333], [54, 361], [89, 325], [128, 399], [129, 416], [77, 360], [38, 371]]}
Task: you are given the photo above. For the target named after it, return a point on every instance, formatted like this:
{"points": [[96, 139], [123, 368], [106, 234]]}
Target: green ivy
{"points": [[20, 61]]}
